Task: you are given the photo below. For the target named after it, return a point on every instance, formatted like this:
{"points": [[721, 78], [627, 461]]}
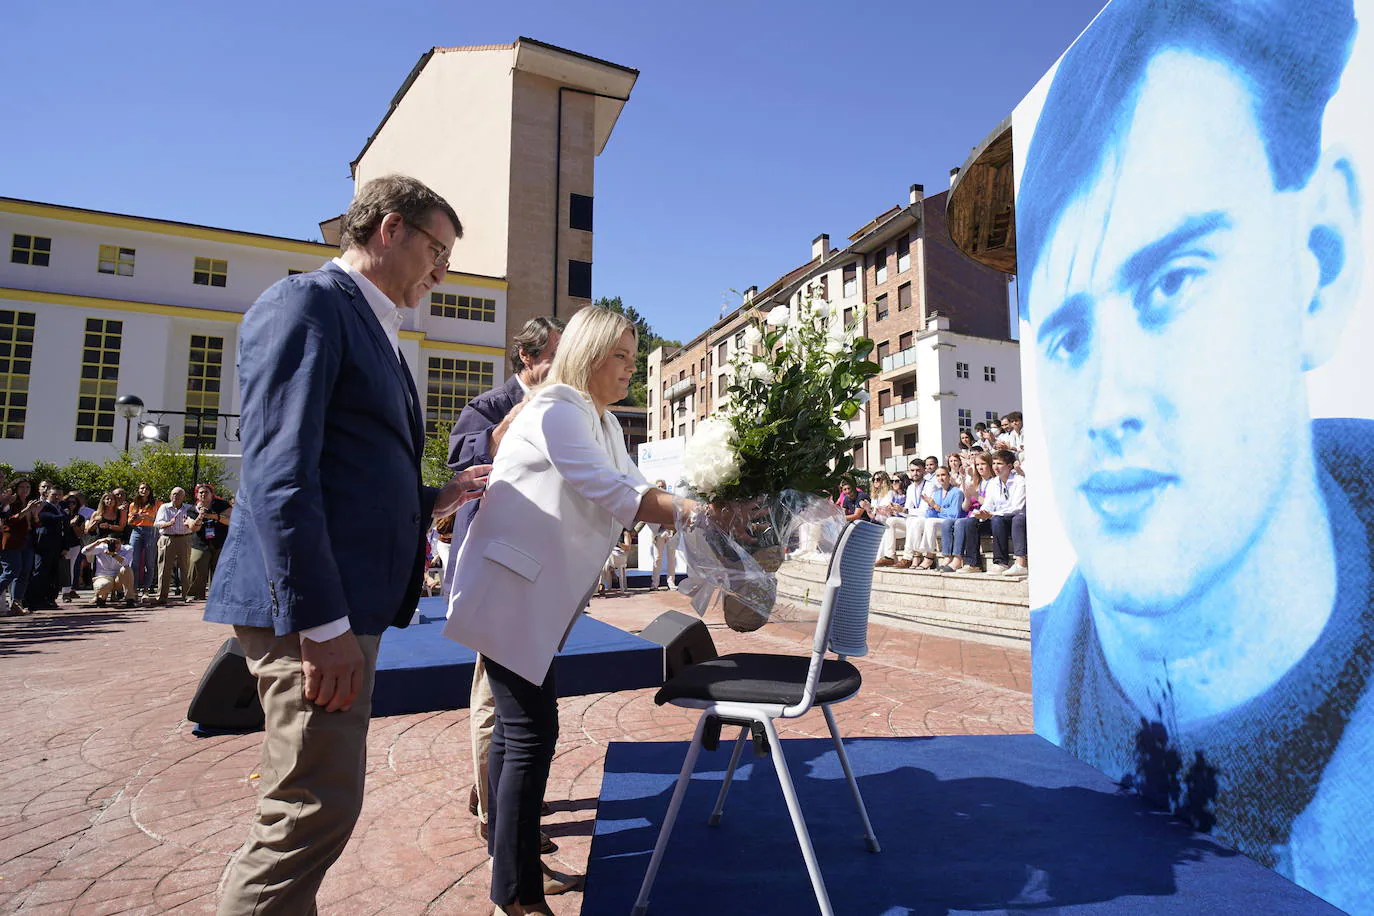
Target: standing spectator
{"points": [[50, 535], [209, 527], [111, 571], [173, 524], [75, 536], [143, 536], [122, 500], [664, 548], [108, 520], [18, 518]]}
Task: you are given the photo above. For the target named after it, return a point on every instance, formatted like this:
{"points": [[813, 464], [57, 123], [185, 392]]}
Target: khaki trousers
{"points": [[310, 790], [481, 719], [173, 552], [123, 580]]}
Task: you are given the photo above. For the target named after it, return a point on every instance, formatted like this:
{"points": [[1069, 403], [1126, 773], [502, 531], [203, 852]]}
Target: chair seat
{"points": [[757, 678]]}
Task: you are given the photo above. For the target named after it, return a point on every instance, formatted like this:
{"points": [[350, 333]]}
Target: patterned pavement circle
{"points": [[108, 803]]}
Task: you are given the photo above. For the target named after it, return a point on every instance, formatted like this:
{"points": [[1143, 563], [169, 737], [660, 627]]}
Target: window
{"points": [[202, 390], [885, 451], [992, 417], [739, 340], [464, 308], [885, 399], [720, 352], [95, 410], [210, 272], [880, 307], [908, 390], [904, 254], [116, 260], [961, 370], [965, 420], [904, 297], [883, 349], [880, 266], [580, 279], [580, 212], [905, 341], [34, 250], [16, 359], [989, 373], [908, 443], [682, 429], [851, 280], [848, 318], [452, 383]]}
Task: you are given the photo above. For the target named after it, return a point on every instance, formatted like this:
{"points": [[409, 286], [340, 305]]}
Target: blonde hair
{"points": [[587, 341]]}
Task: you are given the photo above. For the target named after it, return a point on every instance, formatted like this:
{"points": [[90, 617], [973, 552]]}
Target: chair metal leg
{"points": [[870, 838], [683, 779], [714, 820], [798, 822]]}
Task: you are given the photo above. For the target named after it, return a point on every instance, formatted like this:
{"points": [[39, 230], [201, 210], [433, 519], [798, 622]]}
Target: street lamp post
{"points": [[130, 406]]}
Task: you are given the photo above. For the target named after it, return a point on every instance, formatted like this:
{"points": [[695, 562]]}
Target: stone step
{"points": [[950, 602]]}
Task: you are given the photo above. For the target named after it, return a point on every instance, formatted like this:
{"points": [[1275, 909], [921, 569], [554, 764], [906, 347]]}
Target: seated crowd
{"points": [[52, 545], [942, 511]]}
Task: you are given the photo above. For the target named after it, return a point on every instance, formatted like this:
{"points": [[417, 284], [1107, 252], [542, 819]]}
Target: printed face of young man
{"points": [[1172, 289]]}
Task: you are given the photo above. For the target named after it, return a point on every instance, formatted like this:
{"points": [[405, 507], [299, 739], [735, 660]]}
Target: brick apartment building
{"points": [[942, 325]]}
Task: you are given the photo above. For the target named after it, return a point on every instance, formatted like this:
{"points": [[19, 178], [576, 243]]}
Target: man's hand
{"points": [[469, 484], [333, 671]]}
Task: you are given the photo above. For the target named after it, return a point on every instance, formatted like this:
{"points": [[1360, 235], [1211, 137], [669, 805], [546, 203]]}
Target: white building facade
{"points": [[96, 305]]}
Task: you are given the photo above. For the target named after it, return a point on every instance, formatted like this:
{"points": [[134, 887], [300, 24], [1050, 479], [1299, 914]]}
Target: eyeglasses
{"points": [[440, 252]]}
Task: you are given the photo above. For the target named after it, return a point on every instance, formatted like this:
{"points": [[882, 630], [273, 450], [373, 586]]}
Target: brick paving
{"points": [[108, 803]]}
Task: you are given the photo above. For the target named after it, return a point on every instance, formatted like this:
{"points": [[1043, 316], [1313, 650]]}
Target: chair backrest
{"points": [[842, 626]]}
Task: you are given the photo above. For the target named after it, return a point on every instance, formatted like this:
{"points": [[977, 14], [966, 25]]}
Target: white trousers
{"points": [[896, 526], [915, 532], [664, 545]]}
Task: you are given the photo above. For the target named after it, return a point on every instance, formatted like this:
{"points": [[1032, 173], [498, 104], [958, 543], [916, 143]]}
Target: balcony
{"points": [[898, 365], [679, 390], [899, 415]]}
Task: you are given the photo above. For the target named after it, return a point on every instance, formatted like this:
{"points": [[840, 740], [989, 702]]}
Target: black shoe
{"points": [[100, 602]]}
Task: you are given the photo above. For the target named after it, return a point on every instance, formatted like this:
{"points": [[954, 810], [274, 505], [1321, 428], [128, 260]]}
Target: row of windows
{"points": [[452, 384], [467, 308], [16, 361], [117, 260], [880, 308], [989, 372], [966, 419]]}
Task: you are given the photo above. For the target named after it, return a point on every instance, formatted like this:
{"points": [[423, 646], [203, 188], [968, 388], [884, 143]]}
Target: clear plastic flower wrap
{"points": [[736, 552]]}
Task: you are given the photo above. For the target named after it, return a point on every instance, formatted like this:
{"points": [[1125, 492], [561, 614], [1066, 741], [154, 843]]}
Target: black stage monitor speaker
{"points": [[685, 641], [227, 698]]}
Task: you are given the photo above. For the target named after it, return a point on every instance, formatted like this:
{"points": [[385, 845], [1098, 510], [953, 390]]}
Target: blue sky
{"points": [[753, 128]]}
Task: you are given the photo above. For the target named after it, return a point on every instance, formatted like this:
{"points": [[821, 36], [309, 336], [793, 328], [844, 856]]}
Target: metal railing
{"points": [[907, 410], [679, 390], [899, 360]]}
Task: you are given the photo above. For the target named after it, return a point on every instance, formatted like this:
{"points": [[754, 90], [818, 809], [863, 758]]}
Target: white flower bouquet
{"points": [[775, 452]]}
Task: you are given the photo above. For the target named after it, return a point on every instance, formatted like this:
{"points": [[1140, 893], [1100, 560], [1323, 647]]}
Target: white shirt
{"points": [[390, 317], [1006, 498], [107, 565], [176, 517]]}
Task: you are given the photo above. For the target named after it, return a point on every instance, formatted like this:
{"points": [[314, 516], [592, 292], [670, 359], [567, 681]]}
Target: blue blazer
{"points": [[469, 442], [330, 514]]}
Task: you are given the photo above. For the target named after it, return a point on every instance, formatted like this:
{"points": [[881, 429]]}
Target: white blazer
{"points": [[560, 492]]}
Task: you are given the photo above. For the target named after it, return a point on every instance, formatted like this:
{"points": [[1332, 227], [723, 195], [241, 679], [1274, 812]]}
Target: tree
{"points": [[160, 464], [434, 461], [648, 341]]}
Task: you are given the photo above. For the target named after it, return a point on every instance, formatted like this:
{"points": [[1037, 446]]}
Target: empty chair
{"points": [[751, 690]]}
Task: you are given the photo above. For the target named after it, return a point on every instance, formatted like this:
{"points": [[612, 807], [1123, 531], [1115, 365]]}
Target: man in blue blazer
{"points": [[326, 549]]}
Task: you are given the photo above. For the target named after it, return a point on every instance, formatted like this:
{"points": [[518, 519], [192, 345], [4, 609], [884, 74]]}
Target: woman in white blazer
{"points": [[560, 492]]}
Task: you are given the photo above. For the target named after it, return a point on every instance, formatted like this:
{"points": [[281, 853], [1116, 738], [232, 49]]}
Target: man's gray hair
{"points": [[410, 198], [532, 340]]}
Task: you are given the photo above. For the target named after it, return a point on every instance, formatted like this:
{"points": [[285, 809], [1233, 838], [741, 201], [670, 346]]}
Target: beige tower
{"points": [[509, 134]]}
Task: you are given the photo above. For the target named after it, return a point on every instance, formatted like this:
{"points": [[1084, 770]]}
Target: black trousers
{"points": [[43, 587], [522, 744], [1008, 528]]}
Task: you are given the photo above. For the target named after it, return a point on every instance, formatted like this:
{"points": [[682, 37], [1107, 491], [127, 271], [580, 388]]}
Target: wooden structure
{"points": [[982, 208]]}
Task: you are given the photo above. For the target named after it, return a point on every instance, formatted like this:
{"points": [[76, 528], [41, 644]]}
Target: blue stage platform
{"points": [[418, 670], [968, 824]]}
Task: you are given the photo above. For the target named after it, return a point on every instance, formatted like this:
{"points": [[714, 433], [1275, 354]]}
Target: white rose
{"points": [[835, 345], [758, 369], [710, 460], [752, 337], [779, 316]]}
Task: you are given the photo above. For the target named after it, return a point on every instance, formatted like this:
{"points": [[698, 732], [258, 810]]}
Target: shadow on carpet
{"points": [[968, 824]]}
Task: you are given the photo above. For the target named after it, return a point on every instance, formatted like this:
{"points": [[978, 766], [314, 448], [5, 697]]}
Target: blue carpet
{"points": [[985, 824], [418, 670]]}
